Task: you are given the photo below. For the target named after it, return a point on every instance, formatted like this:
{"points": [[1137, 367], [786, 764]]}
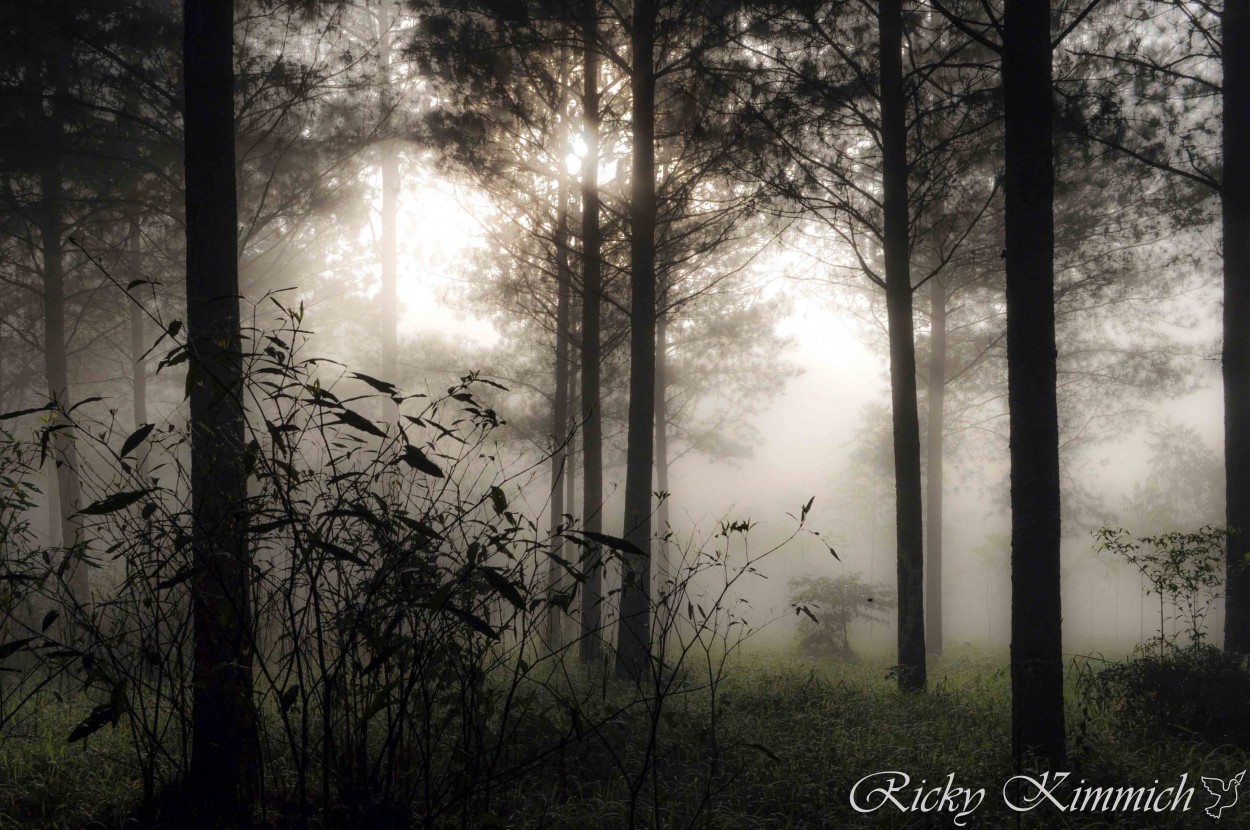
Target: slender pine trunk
{"points": [[48, 75], [934, 633], [898, 292], [56, 366], [663, 547], [662, 510], [570, 466], [633, 633], [591, 650], [388, 297], [559, 414], [138, 371], [1036, 621]]}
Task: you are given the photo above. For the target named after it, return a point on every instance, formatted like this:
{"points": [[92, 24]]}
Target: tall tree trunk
{"points": [[570, 466], [633, 633], [1236, 356], [933, 482], [388, 297], [560, 414], [56, 365], [224, 757], [56, 358], [591, 650], [138, 371], [898, 294], [661, 438], [663, 566], [1036, 621]]}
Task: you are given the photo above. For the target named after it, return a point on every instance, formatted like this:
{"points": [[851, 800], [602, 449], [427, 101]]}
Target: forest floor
{"points": [[780, 743]]}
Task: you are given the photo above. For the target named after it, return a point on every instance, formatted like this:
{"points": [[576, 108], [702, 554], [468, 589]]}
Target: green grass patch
{"points": [[778, 743]]}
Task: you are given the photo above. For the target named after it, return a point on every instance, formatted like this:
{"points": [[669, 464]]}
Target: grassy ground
{"points": [[789, 741]]}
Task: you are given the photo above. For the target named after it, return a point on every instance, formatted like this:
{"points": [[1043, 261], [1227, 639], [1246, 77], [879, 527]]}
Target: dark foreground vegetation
{"points": [[416, 662], [778, 742]]}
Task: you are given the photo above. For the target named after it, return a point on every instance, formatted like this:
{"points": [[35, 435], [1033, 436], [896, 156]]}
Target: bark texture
{"points": [[898, 296], [559, 416], [634, 631], [224, 756], [590, 649], [1236, 356], [48, 75], [1036, 620], [933, 481]]}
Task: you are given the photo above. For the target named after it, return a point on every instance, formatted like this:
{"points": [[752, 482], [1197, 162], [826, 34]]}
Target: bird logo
{"points": [[1225, 792]]}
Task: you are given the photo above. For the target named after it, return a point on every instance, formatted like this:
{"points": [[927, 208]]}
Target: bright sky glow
{"points": [[440, 229]]}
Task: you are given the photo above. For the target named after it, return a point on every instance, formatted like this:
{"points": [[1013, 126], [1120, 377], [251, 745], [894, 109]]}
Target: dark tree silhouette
{"points": [[1236, 220], [898, 288], [224, 759], [46, 75], [591, 347], [1036, 623], [934, 633], [634, 637]]}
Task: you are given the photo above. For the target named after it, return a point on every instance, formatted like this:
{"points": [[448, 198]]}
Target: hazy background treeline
{"points": [[404, 179]]}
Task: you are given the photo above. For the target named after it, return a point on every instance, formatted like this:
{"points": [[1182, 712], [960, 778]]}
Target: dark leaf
{"points": [[136, 438], [380, 385], [418, 526], [176, 579], [20, 412], [614, 542], [265, 527], [14, 646], [476, 623], [84, 402], [498, 500], [339, 552], [115, 502], [48, 619], [505, 588], [100, 716], [288, 698], [357, 421], [352, 513], [568, 566], [418, 460]]}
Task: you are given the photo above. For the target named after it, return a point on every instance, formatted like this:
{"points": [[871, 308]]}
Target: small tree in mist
{"points": [[1183, 568], [830, 605], [1193, 690]]}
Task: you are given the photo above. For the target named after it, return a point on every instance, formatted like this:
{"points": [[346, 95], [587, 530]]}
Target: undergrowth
{"points": [[792, 737]]}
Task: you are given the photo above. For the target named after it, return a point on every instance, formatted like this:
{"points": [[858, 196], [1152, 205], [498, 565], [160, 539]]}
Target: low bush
{"points": [[1198, 690]]}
